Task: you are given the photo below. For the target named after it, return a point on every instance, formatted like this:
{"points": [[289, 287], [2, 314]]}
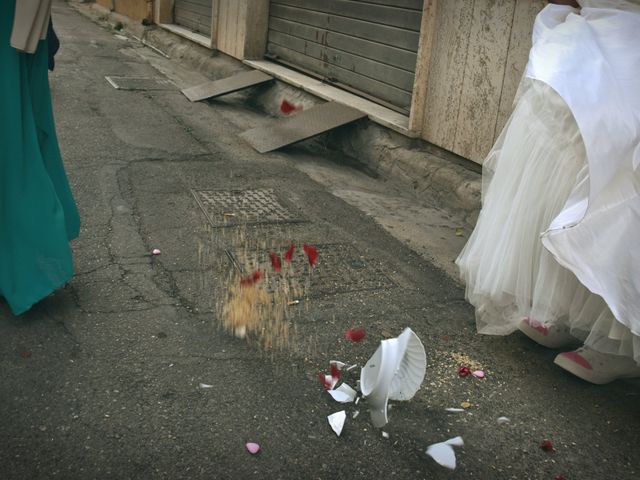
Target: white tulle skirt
{"points": [[537, 161]]}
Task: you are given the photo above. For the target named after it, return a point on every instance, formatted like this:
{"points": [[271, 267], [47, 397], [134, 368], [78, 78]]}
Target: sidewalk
{"points": [[102, 379]]}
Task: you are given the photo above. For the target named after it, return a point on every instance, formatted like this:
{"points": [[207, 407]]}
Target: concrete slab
{"points": [[227, 85], [304, 125]]}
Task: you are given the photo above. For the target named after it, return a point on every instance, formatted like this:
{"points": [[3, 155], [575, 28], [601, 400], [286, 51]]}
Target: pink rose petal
{"points": [[156, 251], [478, 374], [252, 448], [577, 358]]}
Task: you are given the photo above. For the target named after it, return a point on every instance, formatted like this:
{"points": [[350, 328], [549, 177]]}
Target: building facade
{"points": [[445, 71], [136, 9]]}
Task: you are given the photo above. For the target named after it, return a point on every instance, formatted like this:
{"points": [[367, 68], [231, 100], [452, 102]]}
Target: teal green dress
{"points": [[38, 215]]}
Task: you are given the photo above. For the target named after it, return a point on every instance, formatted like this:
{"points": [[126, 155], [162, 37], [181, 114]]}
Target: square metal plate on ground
{"points": [[340, 268], [227, 208], [139, 83], [306, 124], [227, 85]]}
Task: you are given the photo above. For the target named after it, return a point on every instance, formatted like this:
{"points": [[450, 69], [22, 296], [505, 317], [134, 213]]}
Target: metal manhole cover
{"points": [[224, 208], [340, 268], [139, 83]]}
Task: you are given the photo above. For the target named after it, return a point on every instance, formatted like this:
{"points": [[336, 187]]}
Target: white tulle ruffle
{"points": [[537, 161]]}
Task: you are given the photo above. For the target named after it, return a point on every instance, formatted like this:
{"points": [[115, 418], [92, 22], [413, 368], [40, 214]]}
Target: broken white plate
{"points": [[205, 385], [336, 420], [339, 365], [443, 452], [343, 394], [454, 410], [395, 371], [502, 420], [331, 381]]}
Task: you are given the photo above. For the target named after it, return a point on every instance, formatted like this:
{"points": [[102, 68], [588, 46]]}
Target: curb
{"points": [[451, 181]]}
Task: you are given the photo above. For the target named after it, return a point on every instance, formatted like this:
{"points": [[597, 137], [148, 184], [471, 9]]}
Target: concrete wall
{"points": [[477, 54], [238, 28], [136, 9], [242, 27]]}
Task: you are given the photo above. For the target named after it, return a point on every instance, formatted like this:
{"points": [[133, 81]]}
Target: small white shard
{"points": [[343, 394], [455, 442], [357, 400], [385, 434], [121, 37], [331, 381], [355, 414], [454, 410], [205, 385], [339, 396], [355, 365], [443, 452], [502, 420], [336, 420]]}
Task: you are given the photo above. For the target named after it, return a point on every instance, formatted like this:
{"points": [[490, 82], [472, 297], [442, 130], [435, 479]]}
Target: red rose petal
{"points": [[324, 381], [287, 107], [464, 371], [355, 334], [559, 477], [252, 279], [288, 256], [547, 446], [312, 253], [276, 263]]}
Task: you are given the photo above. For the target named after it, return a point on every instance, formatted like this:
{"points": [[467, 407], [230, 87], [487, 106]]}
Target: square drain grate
{"points": [[225, 208], [340, 268], [140, 83]]}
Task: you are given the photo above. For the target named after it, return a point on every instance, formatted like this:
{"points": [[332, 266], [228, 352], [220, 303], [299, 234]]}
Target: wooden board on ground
{"points": [[227, 85], [307, 124]]}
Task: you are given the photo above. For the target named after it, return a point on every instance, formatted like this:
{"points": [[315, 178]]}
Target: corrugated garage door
{"points": [[193, 14], [367, 46]]}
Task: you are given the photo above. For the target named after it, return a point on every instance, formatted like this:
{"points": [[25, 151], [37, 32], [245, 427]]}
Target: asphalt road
{"points": [[101, 380]]}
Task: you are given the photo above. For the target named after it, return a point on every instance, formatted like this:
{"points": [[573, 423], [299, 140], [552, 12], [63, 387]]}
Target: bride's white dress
{"points": [[558, 237]]}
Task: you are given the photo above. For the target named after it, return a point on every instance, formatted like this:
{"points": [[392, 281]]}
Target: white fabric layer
{"points": [[537, 163], [592, 59]]}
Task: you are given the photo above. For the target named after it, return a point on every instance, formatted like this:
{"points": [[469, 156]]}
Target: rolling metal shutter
{"points": [[369, 46], [194, 15]]}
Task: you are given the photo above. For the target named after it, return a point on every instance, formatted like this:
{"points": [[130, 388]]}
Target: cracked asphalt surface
{"points": [[101, 380]]}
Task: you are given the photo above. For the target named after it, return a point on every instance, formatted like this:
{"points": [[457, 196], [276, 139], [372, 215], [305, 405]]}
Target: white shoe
{"points": [[596, 367], [548, 336]]}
